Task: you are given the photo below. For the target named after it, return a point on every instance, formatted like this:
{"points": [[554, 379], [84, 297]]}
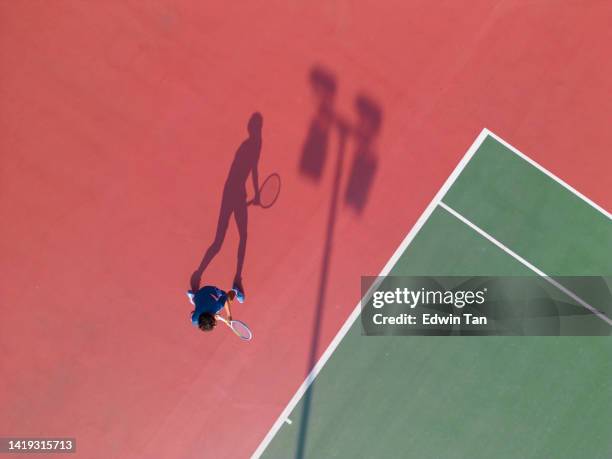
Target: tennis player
{"points": [[208, 302]]}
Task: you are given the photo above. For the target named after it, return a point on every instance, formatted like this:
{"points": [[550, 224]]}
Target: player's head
{"points": [[231, 295], [207, 321], [255, 124]]}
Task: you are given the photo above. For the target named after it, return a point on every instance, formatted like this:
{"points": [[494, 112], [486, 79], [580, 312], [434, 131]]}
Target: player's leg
{"points": [[213, 249], [238, 290]]}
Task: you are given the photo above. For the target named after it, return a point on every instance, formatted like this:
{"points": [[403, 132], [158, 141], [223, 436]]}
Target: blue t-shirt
{"points": [[208, 299]]}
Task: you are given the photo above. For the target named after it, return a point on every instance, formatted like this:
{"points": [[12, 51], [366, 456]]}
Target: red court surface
{"points": [[118, 124]]}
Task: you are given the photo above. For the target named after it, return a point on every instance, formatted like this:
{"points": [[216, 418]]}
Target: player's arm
{"points": [[228, 304], [255, 175]]}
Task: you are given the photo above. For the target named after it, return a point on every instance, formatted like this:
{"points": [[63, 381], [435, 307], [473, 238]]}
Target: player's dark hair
{"points": [[207, 321]]}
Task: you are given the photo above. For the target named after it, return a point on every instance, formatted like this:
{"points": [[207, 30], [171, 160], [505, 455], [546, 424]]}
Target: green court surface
{"points": [[471, 397]]}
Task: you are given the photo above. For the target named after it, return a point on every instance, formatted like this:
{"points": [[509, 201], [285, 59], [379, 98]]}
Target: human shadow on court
{"points": [[327, 125], [234, 200]]}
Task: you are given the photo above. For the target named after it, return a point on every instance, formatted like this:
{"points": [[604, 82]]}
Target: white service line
{"points": [[355, 313], [524, 262], [550, 174]]}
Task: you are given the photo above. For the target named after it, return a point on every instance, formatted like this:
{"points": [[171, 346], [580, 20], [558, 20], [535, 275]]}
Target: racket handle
{"points": [[221, 318]]}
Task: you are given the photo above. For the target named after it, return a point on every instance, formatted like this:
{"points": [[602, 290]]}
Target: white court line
{"points": [[396, 255], [524, 262], [550, 174], [355, 314]]}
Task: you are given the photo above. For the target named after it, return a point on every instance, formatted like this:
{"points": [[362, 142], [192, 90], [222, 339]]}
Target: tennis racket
{"points": [[268, 191], [238, 327]]}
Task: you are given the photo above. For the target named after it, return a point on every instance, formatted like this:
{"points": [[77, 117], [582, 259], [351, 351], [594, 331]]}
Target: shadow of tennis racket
{"points": [[268, 192]]}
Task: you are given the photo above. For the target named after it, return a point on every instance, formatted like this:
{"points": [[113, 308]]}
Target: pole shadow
{"points": [[314, 156], [365, 159], [314, 150]]}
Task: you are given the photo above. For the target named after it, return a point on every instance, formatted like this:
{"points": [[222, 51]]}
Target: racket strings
{"points": [[241, 330]]}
